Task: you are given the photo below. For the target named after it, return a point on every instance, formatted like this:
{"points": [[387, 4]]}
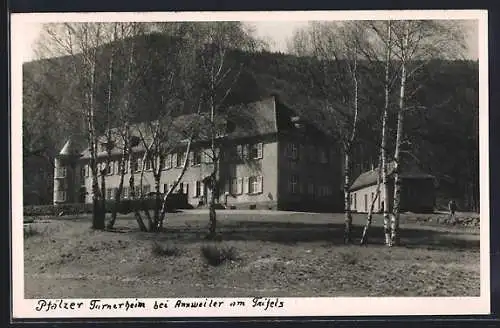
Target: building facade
{"points": [[270, 158], [417, 191]]}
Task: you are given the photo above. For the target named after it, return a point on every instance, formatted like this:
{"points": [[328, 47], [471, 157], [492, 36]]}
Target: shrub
{"points": [[167, 250], [126, 206], [215, 255], [349, 258]]}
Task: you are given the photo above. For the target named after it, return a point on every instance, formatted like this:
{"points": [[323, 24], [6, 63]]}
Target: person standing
{"points": [[452, 207]]}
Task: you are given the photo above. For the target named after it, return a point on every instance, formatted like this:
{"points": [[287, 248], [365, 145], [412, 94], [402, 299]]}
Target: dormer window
{"points": [[106, 146], [134, 141]]}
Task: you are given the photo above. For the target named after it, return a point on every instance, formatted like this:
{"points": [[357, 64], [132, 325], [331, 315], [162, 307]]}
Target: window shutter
{"points": [[202, 187], [259, 183], [260, 148], [246, 182]]}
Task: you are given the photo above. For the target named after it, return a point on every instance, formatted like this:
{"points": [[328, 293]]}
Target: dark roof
{"points": [[69, 149], [369, 178], [240, 121]]}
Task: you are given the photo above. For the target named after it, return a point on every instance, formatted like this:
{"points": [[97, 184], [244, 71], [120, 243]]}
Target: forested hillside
{"points": [[443, 136]]}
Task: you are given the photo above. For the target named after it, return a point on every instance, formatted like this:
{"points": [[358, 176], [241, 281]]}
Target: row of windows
{"points": [[309, 187], [61, 195], [310, 153], [238, 186], [253, 151]]}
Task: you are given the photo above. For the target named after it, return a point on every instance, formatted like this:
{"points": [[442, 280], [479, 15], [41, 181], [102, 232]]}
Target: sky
{"points": [[275, 32]]}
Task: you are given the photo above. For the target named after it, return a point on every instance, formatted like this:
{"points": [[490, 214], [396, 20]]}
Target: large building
{"points": [[271, 158], [417, 190]]}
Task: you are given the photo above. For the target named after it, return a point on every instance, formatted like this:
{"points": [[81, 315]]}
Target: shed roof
{"points": [[369, 178]]}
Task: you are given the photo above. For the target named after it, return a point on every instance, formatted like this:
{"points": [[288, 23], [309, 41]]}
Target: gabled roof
{"points": [[369, 178], [240, 121]]}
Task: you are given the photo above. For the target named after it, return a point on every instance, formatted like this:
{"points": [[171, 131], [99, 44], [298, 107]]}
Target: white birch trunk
{"points": [[383, 147], [397, 153]]}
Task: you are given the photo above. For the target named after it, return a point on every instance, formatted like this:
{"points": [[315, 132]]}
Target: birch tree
{"points": [[416, 43], [83, 42], [217, 77], [338, 49], [381, 52]]}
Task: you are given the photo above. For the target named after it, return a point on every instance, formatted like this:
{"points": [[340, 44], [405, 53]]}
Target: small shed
{"points": [[417, 190]]}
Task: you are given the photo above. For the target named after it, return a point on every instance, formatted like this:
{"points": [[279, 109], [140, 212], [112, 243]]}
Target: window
{"points": [[180, 187], [168, 163], [146, 189], [255, 185], [256, 151], [239, 153], [109, 193], [355, 200], [109, 168], [117, 167], [371, 199], [293, 184], [148, 163], [209, 155], [234, 186], [87, 170], [180, 159], [239, 189], [323, 157], [196, 158], [310, 188], [61, 172], [366, 203], [292, 151], [198, 190], [61, 195], [186, 188], [165, 188], [125, 192], [134, 141], [135, 164]]}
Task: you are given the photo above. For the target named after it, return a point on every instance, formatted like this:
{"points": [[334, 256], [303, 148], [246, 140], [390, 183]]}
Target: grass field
{"points": [[273, 254]]}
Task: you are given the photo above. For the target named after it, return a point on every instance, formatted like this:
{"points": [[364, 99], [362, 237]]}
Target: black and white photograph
{"points": [[250, 164]]}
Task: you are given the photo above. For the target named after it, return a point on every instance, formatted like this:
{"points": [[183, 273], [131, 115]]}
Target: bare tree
{"points": [[83, 43], [217, 76], [377, 52], [338, 49], [415, 43]]}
